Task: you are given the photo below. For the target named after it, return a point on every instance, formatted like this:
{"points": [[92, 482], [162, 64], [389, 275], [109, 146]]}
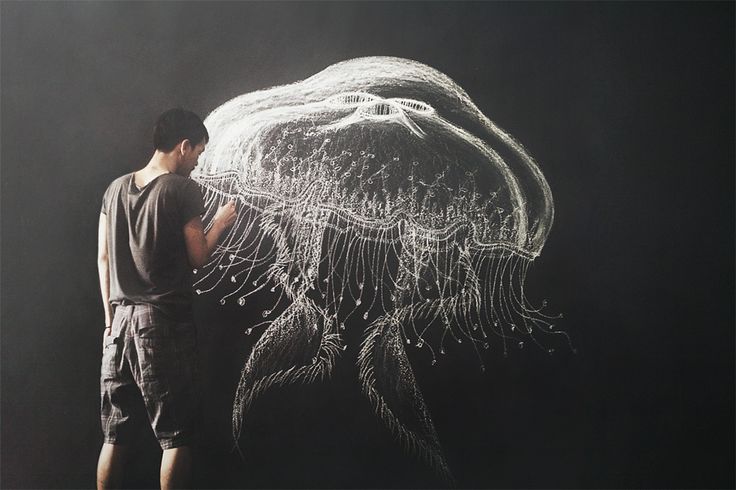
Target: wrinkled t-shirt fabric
{"points": [[145, 236]]}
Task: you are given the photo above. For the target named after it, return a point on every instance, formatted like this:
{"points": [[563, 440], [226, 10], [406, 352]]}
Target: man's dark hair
{"points": [[176, 125]]}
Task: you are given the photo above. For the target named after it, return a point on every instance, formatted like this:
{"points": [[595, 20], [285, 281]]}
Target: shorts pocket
{"points": [[110, 357]]}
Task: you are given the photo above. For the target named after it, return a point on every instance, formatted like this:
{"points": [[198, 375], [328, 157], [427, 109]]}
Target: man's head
{"points": [[182, 134]]}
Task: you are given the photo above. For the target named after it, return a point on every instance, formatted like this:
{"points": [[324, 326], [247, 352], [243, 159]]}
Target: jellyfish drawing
{"points": [[374, 195]]}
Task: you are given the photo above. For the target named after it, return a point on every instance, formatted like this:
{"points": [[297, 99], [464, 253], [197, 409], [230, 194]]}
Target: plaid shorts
{"points": [[152, 354]]}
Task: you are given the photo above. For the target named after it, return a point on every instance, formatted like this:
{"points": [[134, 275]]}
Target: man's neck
{"points": [[160, 163]]}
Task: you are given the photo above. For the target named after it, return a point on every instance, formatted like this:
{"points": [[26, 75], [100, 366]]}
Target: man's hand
{"points": [[225, 215], [105, 334]]}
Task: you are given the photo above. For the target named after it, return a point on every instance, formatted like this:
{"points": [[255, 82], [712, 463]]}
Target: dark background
{"points": [[629, 109]]}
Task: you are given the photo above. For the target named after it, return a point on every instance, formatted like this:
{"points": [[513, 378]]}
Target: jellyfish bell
{"points": [[389, 127], [377, 190]]}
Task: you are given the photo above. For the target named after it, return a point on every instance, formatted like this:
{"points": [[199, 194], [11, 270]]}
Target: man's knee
{"points": [[176, 467], [177, 455]]}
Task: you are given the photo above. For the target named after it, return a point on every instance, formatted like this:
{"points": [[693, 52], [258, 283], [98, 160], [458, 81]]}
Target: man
{"points": [[150, 238]]}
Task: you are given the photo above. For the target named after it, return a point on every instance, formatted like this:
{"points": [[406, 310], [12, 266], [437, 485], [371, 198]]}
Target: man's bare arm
{"points": [[103, 268], [200, 245]]}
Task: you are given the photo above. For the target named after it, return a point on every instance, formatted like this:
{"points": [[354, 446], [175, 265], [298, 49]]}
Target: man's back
{"points": [[147, 250]]}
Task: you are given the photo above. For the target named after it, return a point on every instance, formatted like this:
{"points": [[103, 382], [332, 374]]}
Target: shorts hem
{"points": [[174, 443], [113, 440]]}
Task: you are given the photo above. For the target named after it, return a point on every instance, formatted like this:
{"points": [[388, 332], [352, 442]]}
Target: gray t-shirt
{"points": [[145, 239]]}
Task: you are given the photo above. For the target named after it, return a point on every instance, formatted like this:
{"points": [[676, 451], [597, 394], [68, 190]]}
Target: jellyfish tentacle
{"points": [[242, 249]]}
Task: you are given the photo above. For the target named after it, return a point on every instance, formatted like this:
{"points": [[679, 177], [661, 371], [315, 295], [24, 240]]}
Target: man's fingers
{"points": [[230, 205], [227, 213]]}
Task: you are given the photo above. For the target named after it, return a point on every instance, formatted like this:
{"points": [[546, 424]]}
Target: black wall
{"points": [[628, 107]]}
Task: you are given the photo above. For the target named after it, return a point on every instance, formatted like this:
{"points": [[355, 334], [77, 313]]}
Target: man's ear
{"points": [[185, 146]]}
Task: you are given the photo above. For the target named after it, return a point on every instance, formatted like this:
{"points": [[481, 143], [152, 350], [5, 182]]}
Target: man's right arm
{"points": [[103, 267], [200, 245]]}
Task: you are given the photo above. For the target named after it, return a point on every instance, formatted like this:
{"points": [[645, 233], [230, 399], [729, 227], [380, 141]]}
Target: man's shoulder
{"points": [[119, 181], [176, 182], [175, 179]]}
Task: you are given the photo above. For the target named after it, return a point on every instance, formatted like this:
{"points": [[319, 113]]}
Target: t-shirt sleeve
{"points": [[191, 202], [105, 201]]}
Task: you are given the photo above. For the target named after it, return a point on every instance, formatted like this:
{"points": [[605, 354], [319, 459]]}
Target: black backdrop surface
{"points": [[629, 109]]}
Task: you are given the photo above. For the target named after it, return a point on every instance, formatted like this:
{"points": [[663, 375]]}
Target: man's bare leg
{"points": [[110, 466], [176, 468]]}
